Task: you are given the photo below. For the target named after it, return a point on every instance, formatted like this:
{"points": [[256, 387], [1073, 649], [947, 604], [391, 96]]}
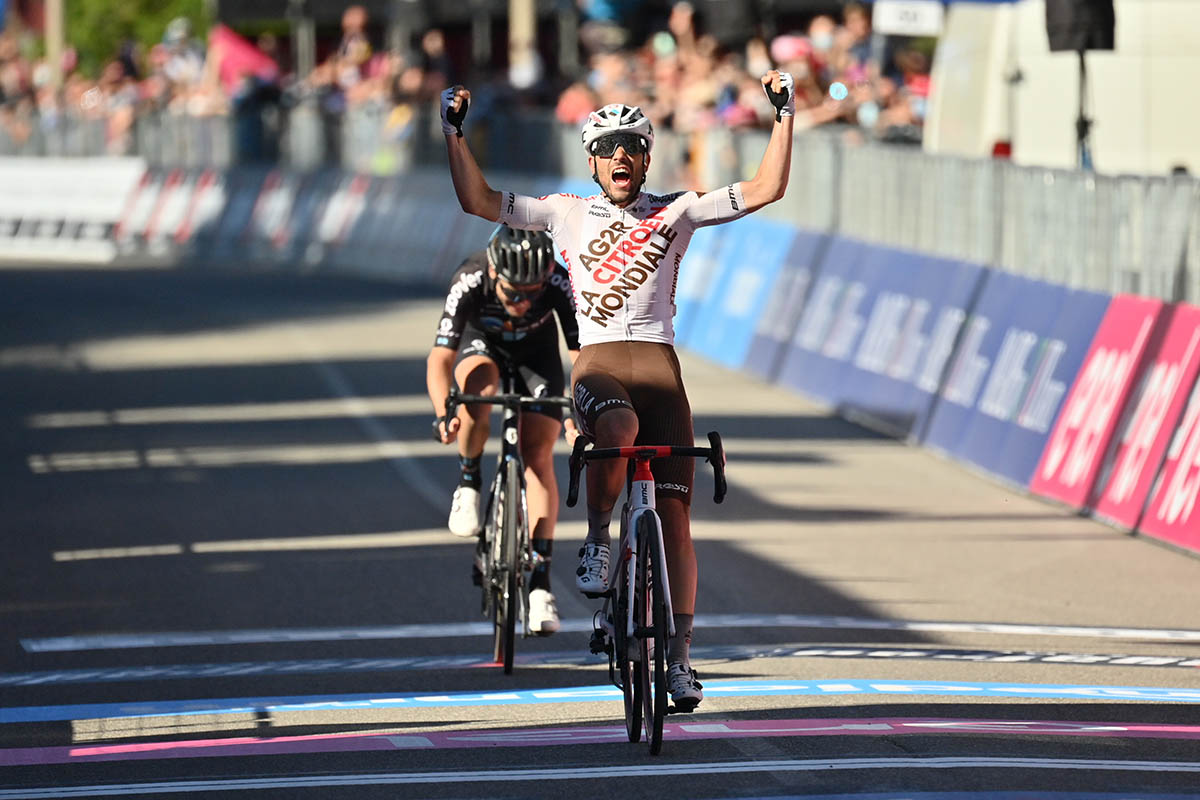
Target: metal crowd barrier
{"points": [[1107, 233]]}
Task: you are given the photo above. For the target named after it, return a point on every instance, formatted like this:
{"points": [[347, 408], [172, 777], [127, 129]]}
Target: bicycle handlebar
{"points": [[714, 454], [514, 401]]}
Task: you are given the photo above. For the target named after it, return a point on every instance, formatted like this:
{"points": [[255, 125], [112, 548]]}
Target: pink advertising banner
{"points": [[1171, 514], [1073, 455], [1147, 431]]}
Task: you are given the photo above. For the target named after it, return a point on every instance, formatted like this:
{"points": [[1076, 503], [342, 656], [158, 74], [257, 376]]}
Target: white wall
{"points": [[1144, 97]]}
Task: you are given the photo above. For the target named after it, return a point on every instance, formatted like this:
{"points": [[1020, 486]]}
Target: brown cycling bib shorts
{"points": [[645, 377]]}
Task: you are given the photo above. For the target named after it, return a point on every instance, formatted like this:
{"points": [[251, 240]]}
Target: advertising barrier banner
{"points": [[917, 305], [1171, 514], [831, 321], [129, 233], [222, 241], [1072, 459], [204, 206], [50, 209], [785, 303], [753, 253], [1019, 348], [1146, 431], [877, 331]]}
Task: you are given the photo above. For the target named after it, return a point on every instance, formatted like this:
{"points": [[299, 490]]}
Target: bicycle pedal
{"points": [[682, 708], [599, 643], [597, 595]]}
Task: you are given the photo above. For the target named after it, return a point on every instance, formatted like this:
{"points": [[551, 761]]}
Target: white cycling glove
{"points": [[452, 120], [785, 99]]}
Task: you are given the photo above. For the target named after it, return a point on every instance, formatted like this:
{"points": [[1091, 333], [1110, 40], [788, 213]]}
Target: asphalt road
{"points": [[225, 571]]}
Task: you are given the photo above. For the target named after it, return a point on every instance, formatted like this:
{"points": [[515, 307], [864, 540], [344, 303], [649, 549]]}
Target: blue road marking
{"points": [[713, 689]]}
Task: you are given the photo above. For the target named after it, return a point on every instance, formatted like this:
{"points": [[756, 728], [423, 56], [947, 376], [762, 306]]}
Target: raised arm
{"points": [[474, 194], [770, 182]]}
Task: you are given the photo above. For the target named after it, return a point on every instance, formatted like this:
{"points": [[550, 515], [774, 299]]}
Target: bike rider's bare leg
{"points": [[606, 478], [681, 555], [681, 565], [475, 375], [538, 433], [616, 427]]}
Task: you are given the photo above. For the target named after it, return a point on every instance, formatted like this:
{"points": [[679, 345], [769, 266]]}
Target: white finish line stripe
{"points": [[453, 630], [591, 773]]}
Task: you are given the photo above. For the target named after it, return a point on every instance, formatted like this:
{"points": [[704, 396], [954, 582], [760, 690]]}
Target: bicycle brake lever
{"points": [[576, 465], [717, 459]]}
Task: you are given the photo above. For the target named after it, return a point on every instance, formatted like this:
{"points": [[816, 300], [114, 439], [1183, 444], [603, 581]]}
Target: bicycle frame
{"points": [[640, 501]]}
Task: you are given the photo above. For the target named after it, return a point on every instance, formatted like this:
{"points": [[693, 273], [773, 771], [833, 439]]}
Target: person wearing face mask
{"points": [[501, 307], [624, 248]]}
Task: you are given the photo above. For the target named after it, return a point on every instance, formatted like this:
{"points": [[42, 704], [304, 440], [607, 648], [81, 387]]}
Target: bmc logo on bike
{"points": [[645, 495]]}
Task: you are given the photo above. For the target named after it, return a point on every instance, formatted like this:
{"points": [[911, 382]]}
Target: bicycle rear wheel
{"points": [[650, 612], [505, 566]]}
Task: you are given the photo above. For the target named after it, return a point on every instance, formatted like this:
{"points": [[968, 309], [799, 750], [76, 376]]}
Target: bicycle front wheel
{"points": [[623, 650], [650, 612], [504, 585]]}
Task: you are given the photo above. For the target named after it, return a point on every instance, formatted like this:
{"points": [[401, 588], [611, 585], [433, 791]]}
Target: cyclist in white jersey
{"points": [[623, 248]]}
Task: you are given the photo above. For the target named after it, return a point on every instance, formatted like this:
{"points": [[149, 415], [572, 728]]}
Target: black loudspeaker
{"points": [[1076, 25]]}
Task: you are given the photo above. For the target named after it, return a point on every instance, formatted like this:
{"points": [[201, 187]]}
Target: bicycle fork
{"points": [[643, 492]]}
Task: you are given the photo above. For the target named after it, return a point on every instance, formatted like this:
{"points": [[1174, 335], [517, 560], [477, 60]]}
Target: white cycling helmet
{"points": [[617, 118]]}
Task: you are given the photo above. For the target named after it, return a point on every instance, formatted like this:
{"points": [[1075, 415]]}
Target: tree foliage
{"points": [[98, 28]]}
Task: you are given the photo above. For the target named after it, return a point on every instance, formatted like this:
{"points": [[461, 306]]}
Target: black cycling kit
{"points": [[474, 322]]}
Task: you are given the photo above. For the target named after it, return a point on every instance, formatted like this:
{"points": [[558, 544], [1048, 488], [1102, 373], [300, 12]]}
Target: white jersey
{"points": [[624, 262]]}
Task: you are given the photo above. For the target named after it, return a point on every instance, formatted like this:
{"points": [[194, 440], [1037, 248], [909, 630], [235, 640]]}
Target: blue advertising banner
{"points": [[917, 306], [753, 253], [1018, 353], [1050, 376], [831, 322], [978, 341], [785, 304], [1017, 348]]}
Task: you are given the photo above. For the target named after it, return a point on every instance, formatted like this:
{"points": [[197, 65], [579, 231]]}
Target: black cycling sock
{"points": [[598, 522], [470, 472], [678, 647], [540, 579]]}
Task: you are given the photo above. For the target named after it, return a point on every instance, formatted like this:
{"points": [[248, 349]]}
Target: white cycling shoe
{"points": [[464, 512], [686, 691], [592, 576], [543, 613]]}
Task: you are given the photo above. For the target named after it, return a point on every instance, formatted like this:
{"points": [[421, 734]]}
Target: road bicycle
{"points": [[504, 551], [636, 621]]}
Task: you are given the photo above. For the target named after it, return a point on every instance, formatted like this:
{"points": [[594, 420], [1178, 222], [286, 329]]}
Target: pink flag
{"points": [[237, 57]]}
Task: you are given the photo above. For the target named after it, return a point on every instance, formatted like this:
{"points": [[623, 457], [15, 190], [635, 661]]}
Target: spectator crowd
{"points": [[685, 72]]}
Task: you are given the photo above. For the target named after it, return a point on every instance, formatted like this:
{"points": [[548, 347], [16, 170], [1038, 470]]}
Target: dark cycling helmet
{"points": [[521, 257]]}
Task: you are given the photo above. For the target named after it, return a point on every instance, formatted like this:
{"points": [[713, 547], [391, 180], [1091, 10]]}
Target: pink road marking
{"points": [[528, 737]]}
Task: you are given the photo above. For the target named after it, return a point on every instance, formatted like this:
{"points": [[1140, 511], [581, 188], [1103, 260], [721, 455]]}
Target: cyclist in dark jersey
{"points": [[501, 307]]}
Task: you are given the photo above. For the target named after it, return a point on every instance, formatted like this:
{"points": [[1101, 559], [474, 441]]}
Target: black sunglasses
{"points": [[519, 294], [607, 145]]}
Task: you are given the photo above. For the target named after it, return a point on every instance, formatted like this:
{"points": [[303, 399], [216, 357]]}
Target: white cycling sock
{"points": [[679, 645]]}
